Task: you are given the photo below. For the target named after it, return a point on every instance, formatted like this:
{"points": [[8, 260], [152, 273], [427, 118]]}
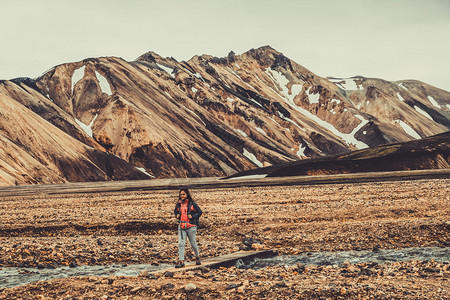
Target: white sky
{"points": [[389, 39]]}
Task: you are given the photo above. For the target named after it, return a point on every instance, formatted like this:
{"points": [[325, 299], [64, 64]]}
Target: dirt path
{"points": [[133, 226]]}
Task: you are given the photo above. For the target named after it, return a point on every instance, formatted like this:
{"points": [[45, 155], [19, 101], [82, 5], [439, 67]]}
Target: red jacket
{"points": [[186, 208]]}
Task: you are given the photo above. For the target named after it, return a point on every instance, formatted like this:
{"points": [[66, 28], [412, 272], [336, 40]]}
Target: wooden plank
{"points": [[221, 261]]}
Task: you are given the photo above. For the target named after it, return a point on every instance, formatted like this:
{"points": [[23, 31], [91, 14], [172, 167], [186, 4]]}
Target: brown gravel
{"points": [[138, 227]]}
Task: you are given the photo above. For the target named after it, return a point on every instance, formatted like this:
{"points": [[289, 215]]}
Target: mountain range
{"points": [[111, 119]]}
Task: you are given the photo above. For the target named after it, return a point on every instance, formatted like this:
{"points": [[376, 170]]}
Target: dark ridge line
{"points": [[273, 181], [130, 226]]}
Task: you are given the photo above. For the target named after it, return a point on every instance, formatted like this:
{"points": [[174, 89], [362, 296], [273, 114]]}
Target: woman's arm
{"points": [[176, 211], [197, 212]]}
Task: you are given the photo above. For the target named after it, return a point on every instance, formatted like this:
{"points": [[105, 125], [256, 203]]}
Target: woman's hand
{"points": [[177, 216]]}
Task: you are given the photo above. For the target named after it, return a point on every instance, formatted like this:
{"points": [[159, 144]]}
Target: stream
{"points": [[326, 258], [12, 276]]}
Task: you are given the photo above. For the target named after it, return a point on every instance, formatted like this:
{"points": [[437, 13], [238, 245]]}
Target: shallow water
{"points": [[10, 277], [353, 257]]}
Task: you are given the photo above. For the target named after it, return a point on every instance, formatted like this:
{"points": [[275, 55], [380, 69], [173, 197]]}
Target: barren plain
{"points": [[48, 230]]}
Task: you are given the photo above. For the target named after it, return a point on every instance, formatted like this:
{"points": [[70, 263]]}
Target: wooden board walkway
{"points": [[227, 260]]}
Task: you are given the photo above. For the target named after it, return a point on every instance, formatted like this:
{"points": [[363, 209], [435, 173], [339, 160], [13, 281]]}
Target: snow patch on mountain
{"points": [[255, 102], [295, 89], [256, 176], [434, 102], [193, 113], [348, 138], [289, 120], [283, 82], [361, 125], [240, 78], [260, 130], [241, 132], [418, 109], [408, 129], [252, 158], [196, 75], [280, 80], [145, 172], [234, 73], [313, 98], [402, 86], [345, 83], [400, 97], [86, 128], [104, 84], [337, 101], [301, 151], [166, 69], [78, 74]]}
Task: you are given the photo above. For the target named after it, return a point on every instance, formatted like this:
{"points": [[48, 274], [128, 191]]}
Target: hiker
{"points": [[187, 212]]}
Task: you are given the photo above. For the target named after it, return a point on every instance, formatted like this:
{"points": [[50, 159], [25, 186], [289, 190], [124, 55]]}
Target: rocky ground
{"points": [[49, 230]]}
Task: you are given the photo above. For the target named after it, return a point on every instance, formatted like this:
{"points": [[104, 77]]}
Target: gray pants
{"points": [[191, 233]]}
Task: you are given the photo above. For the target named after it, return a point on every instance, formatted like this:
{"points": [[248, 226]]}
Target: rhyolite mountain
{"points": [[110, 119]]}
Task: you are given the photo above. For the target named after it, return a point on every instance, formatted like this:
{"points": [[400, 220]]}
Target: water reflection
{"points": [[354, 257], [10, 277]]}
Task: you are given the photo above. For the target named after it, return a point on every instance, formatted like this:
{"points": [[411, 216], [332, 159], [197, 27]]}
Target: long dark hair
{"points": [[188, 195]]}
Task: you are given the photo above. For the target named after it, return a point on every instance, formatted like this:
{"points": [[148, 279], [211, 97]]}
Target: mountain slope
{"points": [[34, 151], [214, 116], [428, 153]]}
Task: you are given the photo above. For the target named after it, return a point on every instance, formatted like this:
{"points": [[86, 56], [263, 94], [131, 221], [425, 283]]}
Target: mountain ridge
{"points": [[214, 116]]}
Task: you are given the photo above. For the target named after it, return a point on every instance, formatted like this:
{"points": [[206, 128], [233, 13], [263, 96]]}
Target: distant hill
{"points": [[428, 153]]}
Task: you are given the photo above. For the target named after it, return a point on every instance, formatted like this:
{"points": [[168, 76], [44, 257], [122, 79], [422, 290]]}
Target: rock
{"points": [[233, 286], [432, 270], [190, 274], [190, 287], [168, 286], [257, 246], [144, 274], [300, 268], [248, 241], [241, 289], [136, 290], [168, 274], [280, 284], [345, 264]]}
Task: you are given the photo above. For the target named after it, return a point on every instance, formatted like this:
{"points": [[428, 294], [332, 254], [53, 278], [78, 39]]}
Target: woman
{"points": [[187, 212]]}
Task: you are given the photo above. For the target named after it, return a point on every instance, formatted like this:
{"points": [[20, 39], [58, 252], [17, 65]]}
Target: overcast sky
{"points": [[389, 39]]}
